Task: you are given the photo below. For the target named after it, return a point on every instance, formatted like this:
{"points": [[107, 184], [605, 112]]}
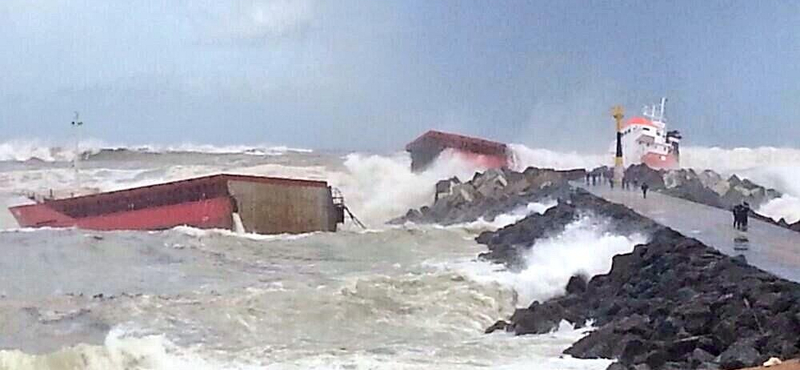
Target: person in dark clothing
{"points": [[745, 215], [594, 179], [645, 187], [737, 216], [588, 175]]}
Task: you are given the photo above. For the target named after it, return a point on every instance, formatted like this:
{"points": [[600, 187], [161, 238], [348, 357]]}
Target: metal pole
{"points": [[619, 168], [76, 123]]}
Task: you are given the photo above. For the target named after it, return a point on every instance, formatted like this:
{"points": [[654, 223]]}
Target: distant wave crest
{"points": [[21, 150]]}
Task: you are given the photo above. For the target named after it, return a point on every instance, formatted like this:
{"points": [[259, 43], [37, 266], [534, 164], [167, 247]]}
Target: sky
{"points": [[373, 75]]}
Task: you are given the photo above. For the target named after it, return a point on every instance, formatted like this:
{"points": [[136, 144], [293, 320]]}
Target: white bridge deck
{"points": [[771, 248]]}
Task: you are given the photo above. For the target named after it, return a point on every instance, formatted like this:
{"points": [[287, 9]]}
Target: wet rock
{"points": [[489, 194], [537, 319], [616, 366], [577, 284], [505, 245], [699, 357], [672, 303], [642, 174], [740, 355], [499, 325]]}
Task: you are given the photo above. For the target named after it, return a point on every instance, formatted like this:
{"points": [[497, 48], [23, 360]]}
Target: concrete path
{"points": [[771, 248]]}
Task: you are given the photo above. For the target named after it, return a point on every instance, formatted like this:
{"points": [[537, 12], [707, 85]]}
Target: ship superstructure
{"points": [[646, 139]]}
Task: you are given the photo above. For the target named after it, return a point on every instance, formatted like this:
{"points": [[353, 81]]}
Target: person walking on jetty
{"points": [[744, 216], [645, 187]]}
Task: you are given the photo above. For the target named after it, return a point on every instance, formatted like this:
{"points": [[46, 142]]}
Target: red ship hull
{"points": [[483, 160], [211, 213], [266, 205], [482, 153], [661, 162]]}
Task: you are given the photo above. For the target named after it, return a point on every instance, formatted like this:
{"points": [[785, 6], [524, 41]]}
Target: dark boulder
{"points": [[538, 318], [577, 284], [740, 355], [499, 325]]}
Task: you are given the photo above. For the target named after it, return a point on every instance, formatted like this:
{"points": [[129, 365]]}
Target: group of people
{"points": [[740, 215], [591, 179]]}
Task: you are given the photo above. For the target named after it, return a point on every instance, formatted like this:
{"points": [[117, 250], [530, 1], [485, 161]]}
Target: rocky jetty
{"points": [[490, 194], [673, 303], [706, 187], [505, 245]]}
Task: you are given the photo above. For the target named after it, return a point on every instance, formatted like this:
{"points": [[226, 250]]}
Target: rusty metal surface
{"points": [[273, 208]]}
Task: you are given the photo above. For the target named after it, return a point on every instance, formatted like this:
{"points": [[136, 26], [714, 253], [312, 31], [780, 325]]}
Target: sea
{"points": [[385, 297]]}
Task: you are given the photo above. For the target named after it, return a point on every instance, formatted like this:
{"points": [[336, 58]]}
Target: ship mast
{"points": [[76, 163], [619, 169]]}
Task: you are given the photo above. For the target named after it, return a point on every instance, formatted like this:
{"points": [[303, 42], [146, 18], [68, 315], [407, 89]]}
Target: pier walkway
{"points": [[770, 247]]}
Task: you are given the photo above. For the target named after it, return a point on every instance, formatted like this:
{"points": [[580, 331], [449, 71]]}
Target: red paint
{"points": [[639, 121], [483, 153], [660, 162], [483, 161], [202, 202], [444, 140], [209, 213]]}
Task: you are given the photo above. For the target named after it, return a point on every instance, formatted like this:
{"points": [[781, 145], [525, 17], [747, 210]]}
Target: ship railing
{"points": [[37, 197], [338, 203]]}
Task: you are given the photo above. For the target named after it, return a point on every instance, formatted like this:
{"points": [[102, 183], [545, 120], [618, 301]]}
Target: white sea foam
{"points": [[263, 149], [37, 149], [584, 247], [525, 157], [207, 233], [378, 188], [123, 350], [508, 218]]}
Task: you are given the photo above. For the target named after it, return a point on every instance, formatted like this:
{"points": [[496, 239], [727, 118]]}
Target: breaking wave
{"points": [[525, 157], [379, 188], [508, 218], [584, 247], [21, 150], [123, 350], [225, 149], [35, 149]]}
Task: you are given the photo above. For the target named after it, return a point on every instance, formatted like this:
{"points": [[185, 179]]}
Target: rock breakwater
{"points": [[673, 303], [490, 194]]}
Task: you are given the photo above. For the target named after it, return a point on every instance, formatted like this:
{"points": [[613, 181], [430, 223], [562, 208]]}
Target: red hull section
{"points": [[660, 162], [483, 153], [483, 160], [210, 213], [206, 202]]}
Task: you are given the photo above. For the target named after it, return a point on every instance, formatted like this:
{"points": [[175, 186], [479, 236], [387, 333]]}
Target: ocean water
{"points": [[408, 297]]}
